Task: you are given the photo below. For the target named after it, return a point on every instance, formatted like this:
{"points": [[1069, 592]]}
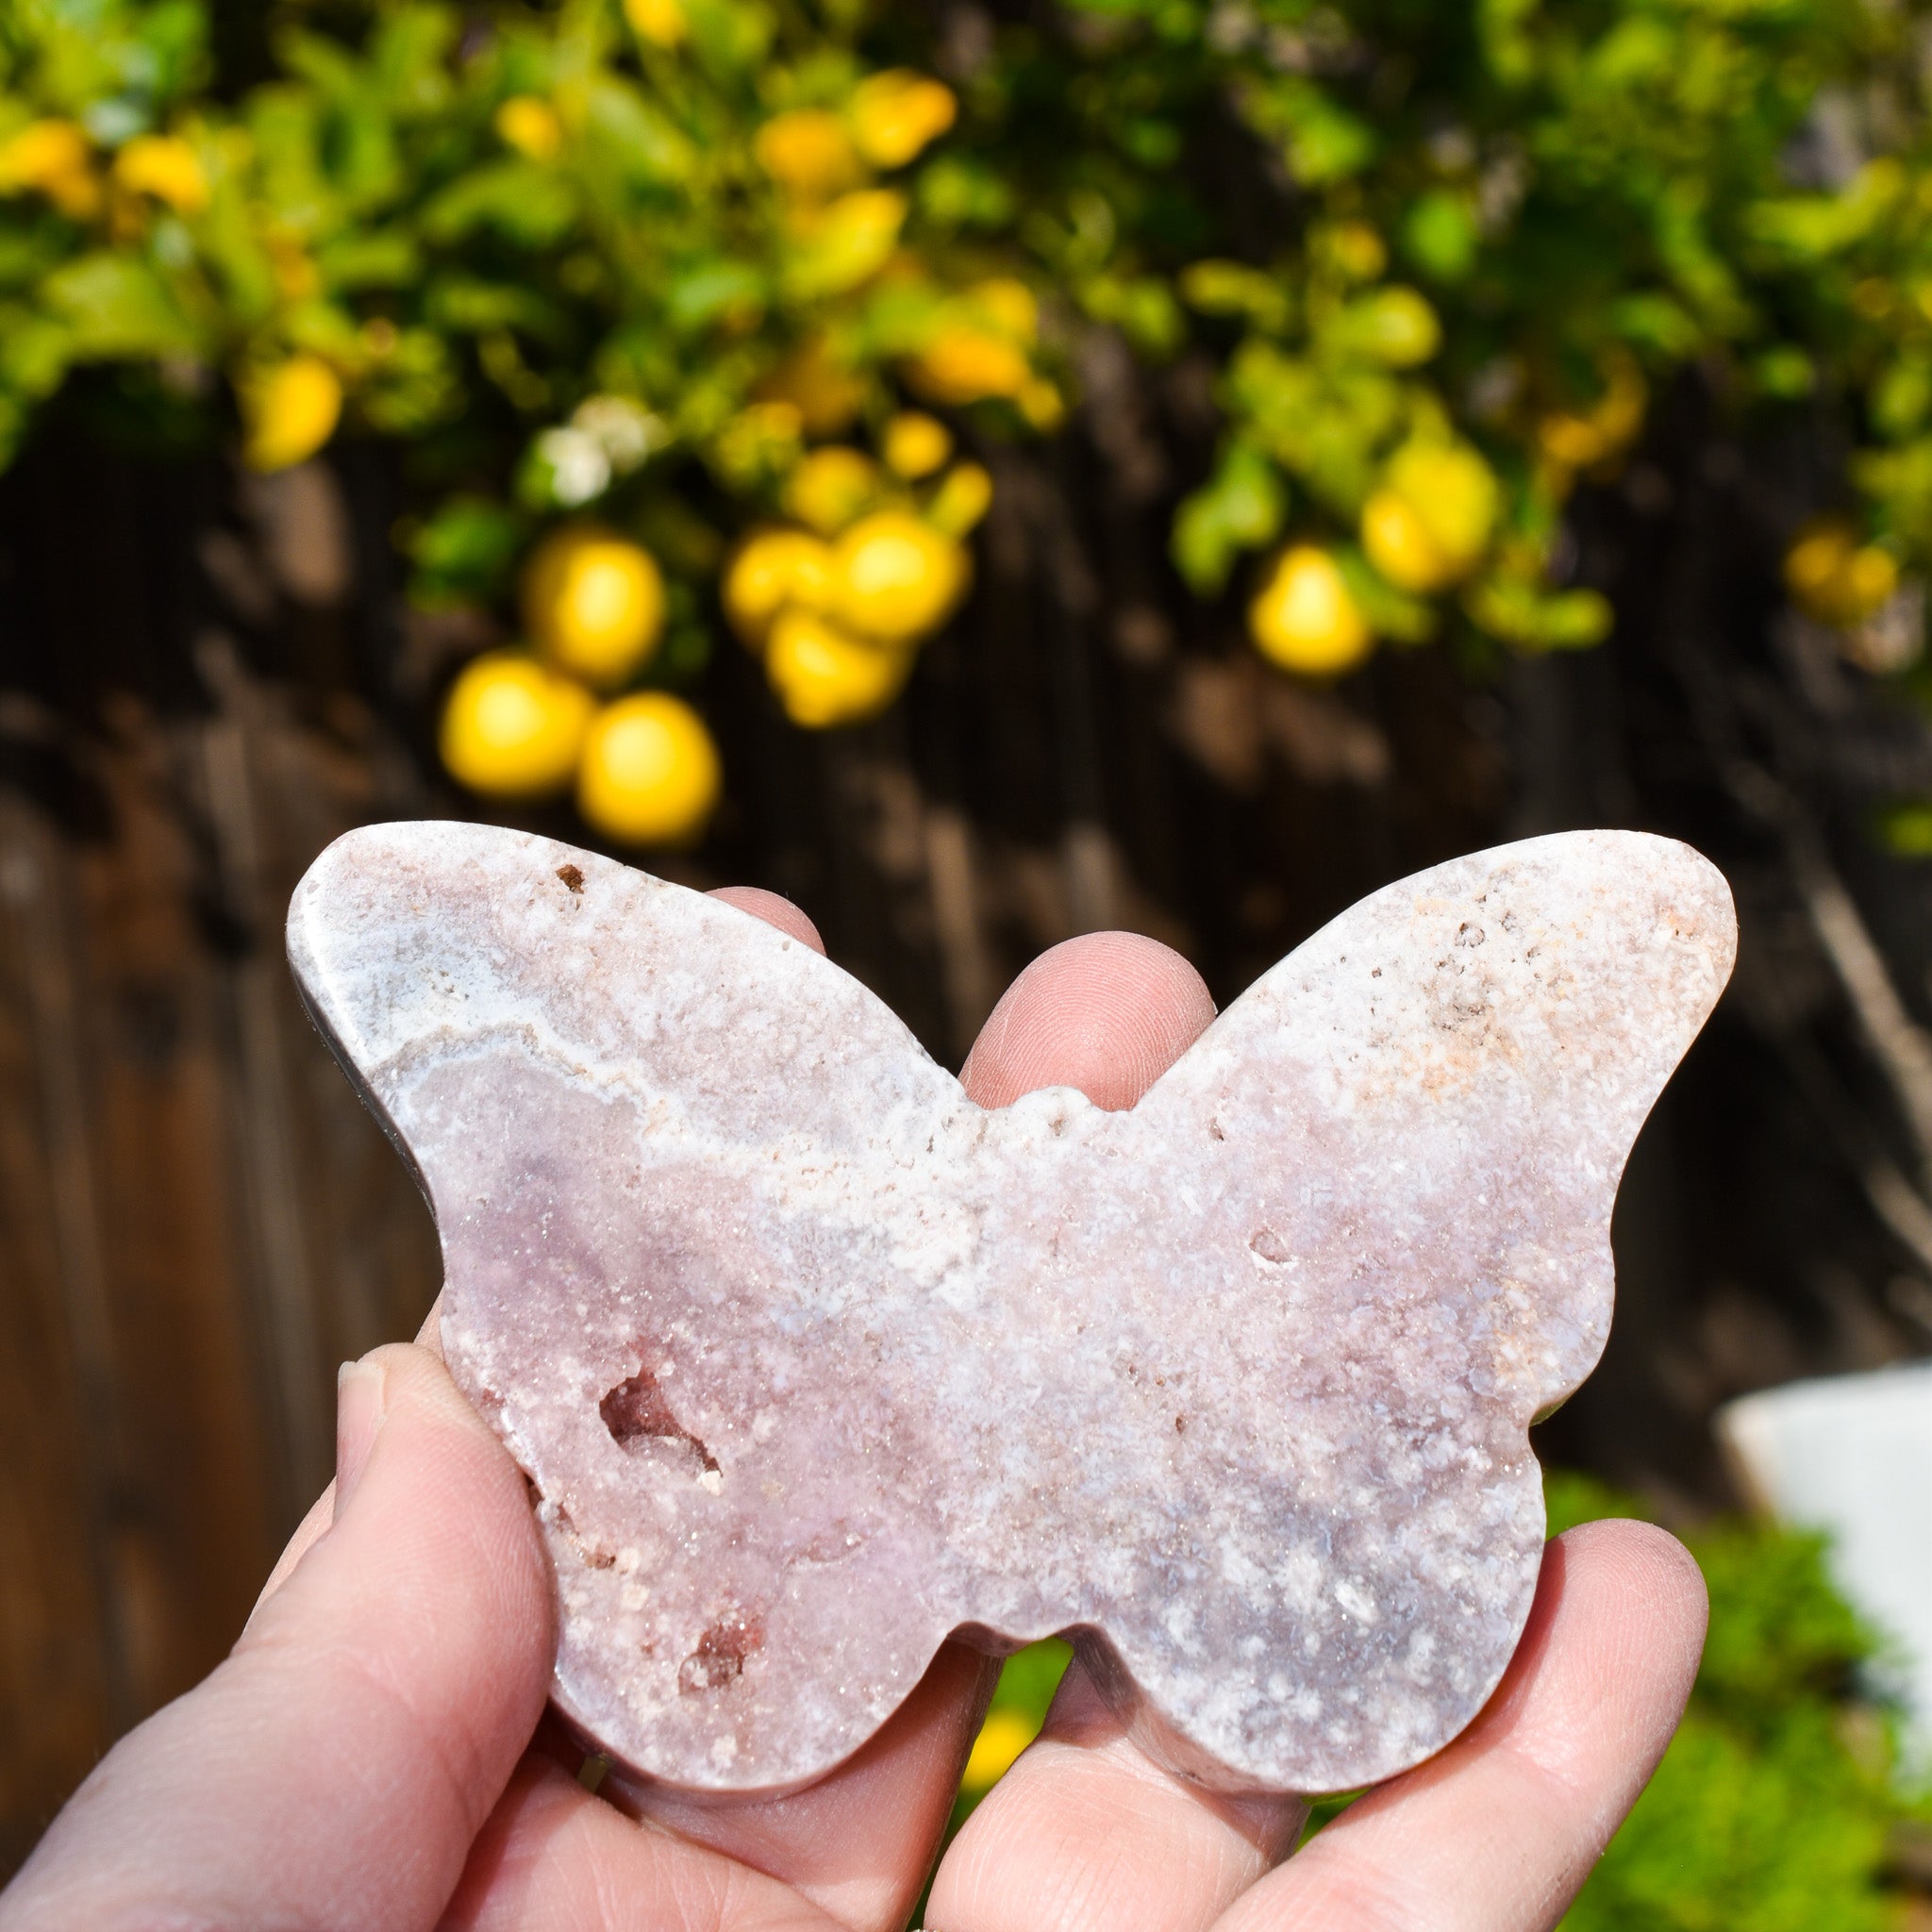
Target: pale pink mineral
{"points": [[812, 1362]]}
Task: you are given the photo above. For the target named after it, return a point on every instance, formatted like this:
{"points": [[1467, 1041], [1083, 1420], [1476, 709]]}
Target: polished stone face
{"points": [[812, 1362]]}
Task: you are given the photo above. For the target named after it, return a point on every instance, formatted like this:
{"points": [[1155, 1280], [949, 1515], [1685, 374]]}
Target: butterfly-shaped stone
{"points": [[812, 1362]]}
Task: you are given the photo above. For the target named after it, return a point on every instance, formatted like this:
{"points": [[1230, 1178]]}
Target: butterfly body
{"points": [[812, 1362]]}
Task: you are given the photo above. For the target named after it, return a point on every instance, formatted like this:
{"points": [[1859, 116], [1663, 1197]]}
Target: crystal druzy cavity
{"points": [[812, 1362]]}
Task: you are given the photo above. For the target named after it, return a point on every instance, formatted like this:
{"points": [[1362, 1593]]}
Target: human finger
{"points": [[775, 910], [1108, 1013], [335, 1768], [1498, 1832], [849, 1852], [1087, 1831]]}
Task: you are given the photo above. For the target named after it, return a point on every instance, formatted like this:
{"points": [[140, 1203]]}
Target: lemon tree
{"points": [[722, 282]]}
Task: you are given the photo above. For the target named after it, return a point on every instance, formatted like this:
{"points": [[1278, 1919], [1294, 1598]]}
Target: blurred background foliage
{"points": [[684, 310]]}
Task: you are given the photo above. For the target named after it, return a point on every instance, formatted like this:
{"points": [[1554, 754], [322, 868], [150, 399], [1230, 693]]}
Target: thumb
{"points": [[333, 1770]]}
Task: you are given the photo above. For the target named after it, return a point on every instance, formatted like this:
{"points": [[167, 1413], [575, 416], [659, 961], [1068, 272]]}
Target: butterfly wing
{"points": [[1387, 1173], [675, 1160]]}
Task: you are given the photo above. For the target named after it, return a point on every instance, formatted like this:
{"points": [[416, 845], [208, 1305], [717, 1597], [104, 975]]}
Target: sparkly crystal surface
{"points": [[812, 1362]]}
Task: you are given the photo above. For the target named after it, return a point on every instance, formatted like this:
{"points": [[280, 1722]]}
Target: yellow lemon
{"points": [[896, 114], [1042, 404], [164, 166], [830, 487], [808, 151], [530, 126], [1306, 618], [511, 729], [1429, 524], [55, 158], [963, 364], [660, 22], [1357, 251], [1871, 577], [964, 496], [1579, 441], [772, 570], [650, 774], [845, 243], [593, 602], [915, 444], [1002, 1738], [1834, 578], [289, 411], [824, 677], [1009, 306], [896, 577], [1400, 546]]}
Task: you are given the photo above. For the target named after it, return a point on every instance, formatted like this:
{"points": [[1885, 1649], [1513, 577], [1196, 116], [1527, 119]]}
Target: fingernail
{"points": [[359, 1411]]}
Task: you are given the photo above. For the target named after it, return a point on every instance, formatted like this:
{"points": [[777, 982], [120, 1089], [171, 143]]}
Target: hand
{"points": [[374, 1755]]}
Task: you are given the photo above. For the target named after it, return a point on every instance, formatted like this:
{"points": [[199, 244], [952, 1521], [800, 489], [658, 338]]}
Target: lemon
{"points": [[289, 411], [650, 774], [915, 444], [964, 496], [164, 166], [1002, 1738], [897, 113], [1306, 618], [825, 676], [1579, 441], [1008, 305], [660, 22], [844, 242], [55, 158], [1429, 524], [774, 570], [963, 364], [1399, 545], [830, 487], [530, 126], [593, 602], [896, 577], [1837, 580], [511, 729], [808, 153], [1042, 404]]}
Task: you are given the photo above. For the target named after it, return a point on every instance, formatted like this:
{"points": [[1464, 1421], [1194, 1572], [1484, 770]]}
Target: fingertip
{"points": [[1108, 1013], [1649, 1563], [775, 910]]}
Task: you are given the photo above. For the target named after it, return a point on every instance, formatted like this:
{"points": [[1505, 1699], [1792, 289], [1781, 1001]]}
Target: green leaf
{"points": [[519, 200], [1441, 236], [1239, 508], [1394, 327], [712, 291], [35, 351], [116, 306]]}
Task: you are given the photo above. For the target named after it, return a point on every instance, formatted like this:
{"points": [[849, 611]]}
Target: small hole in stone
{"points": [[1180, 1425], [1215, 1128], [1269, 1245], [720, 1654], [572, 875], [636, 1411]]}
